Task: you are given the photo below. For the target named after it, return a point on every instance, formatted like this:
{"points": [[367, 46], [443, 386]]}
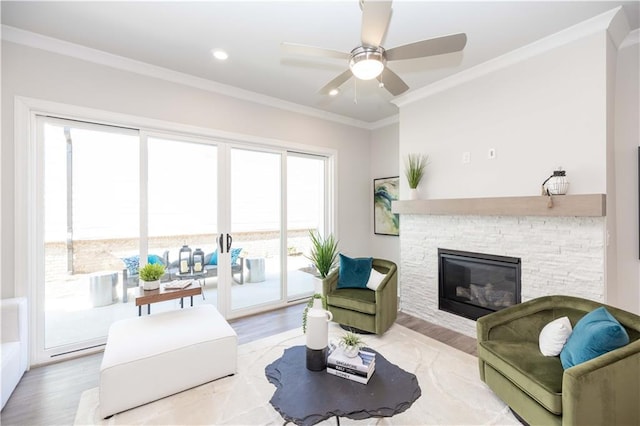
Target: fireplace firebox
{"points": [[475, 284]]}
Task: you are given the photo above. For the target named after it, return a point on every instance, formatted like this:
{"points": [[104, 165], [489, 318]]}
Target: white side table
{"points": [[255, 266]]}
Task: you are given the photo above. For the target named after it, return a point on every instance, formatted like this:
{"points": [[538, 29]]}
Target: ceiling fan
{"points": [[368, 61]]}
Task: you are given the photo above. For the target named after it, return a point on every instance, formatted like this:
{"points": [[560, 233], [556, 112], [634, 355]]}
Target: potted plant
{"points": [[324, 253], [351, 344], [414, 171], [150, 275]]}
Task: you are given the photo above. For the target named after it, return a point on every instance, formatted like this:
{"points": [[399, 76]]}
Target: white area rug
{"points": [[452, 393]]}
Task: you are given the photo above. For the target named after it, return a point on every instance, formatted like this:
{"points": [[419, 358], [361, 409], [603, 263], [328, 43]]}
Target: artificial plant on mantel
{"points": [[414, 167]]}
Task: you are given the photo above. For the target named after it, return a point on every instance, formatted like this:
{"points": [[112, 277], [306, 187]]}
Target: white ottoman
{"points": [[151, 357]]}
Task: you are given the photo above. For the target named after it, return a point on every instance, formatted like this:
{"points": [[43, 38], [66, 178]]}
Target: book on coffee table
{"points": [[359, 368], [363, 362]]}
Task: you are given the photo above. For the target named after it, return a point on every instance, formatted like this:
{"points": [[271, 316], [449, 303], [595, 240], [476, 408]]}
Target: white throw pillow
{"points": [[554, 335], [375, 279]]}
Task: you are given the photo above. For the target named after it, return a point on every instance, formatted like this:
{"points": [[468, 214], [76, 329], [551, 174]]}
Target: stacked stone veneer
{"points": [[560, 255]]}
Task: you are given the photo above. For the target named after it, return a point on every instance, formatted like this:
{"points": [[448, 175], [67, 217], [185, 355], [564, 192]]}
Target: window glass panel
{"points": [[183, 199], [91, 219], [305, 211], [256, 226]]}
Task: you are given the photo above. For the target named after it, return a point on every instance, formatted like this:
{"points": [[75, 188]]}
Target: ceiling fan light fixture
{"points": [[334, 92], [367, 63]]}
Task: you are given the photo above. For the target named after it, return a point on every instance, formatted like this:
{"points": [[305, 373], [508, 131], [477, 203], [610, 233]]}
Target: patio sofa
{"points": [[130, 276], [604, 390], [15, 356]]}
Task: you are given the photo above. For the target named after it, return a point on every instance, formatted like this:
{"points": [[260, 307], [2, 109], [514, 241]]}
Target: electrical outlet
{"points": [[466, 157], [491, 154]]}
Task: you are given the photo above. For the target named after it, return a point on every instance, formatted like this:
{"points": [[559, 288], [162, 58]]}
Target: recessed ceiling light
{"points": [[334, 92], [220, 54]]}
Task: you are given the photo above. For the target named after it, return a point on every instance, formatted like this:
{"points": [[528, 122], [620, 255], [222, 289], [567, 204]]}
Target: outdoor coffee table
{"points": [[307, 397], [147, 297]]}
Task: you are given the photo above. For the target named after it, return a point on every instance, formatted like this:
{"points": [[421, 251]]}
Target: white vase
{"points": [[414, 194], [150, 285], [317, 285], [317, 336]]}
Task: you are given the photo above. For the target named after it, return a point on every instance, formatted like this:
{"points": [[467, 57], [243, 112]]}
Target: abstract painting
{"points": [[385, 190]]}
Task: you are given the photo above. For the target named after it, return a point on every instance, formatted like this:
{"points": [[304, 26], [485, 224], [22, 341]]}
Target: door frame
{"points": [[28, 172]]}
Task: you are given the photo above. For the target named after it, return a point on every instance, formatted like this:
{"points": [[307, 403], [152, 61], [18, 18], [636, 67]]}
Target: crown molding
{"points": [[590, 26], [39, 41], [384, 122], [632, 38], [618, 28]]}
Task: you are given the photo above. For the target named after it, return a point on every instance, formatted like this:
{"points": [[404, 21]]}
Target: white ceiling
{"points": [[180, 35]]}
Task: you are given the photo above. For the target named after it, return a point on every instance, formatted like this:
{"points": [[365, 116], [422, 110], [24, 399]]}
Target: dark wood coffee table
{"points": [[307, 397], [147, 297]]}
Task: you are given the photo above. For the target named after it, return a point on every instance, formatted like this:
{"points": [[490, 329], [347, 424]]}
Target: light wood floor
{"points": [[49, 395]]}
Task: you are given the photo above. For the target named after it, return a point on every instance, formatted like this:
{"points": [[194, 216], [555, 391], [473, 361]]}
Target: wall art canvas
{"points": [[385, 190]]}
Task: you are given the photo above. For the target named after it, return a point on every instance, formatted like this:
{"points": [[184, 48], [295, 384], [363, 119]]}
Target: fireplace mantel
{"points": [[586, 205]]}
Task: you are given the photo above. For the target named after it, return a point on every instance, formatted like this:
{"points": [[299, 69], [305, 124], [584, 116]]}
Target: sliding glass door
{"points": [[90, 219], [306, 211], [111, 199], [182, 182]]}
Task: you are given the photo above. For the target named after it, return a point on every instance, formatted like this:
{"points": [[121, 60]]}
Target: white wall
{"points": [[540, 113], [384, 163], [44, 75], [627, 139], [554, 107]]}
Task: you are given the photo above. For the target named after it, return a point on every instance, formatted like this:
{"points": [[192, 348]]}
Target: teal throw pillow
{"points": [[154, 258], [354, 273], [212, 258], [235, 254], [597, 333]]}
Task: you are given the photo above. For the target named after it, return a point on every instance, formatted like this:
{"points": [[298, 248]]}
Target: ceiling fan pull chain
{"points": [[355, 91]]}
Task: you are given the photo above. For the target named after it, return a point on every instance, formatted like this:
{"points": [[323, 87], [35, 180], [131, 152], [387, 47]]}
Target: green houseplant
{"points": [[324, 253], [150, 275], [414, 171], [351, 344]]}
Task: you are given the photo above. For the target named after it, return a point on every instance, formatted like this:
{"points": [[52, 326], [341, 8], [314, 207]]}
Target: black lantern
{"points": [[198, 261], [184, 260]]}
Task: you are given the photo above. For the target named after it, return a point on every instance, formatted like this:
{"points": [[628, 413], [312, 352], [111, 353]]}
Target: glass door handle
{"points": [[220, 243], [229, 242]]}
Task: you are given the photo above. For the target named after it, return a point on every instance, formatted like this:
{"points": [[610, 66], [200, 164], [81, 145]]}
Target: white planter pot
{"points": [[414, 194], [150, 285], [351, 351]]}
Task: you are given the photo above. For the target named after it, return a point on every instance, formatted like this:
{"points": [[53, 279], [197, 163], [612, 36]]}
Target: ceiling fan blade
{"points": [[431, 47], [336, 82], [375, 20], [392, 82], [301, 49]]}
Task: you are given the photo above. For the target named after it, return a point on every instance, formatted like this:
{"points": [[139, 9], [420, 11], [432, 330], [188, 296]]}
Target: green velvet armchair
{"points": [[602, 391], [365, 309]]}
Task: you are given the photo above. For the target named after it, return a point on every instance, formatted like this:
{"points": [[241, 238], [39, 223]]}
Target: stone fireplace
{"points": [[475, 284], [562, 254]]}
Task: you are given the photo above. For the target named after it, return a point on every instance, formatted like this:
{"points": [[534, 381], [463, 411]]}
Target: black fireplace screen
{"points": [[475, 284]]}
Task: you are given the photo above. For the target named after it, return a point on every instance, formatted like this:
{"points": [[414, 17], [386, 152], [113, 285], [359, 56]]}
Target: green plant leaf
{"points": [[151, 272], [324, 253], [414, 169]]}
